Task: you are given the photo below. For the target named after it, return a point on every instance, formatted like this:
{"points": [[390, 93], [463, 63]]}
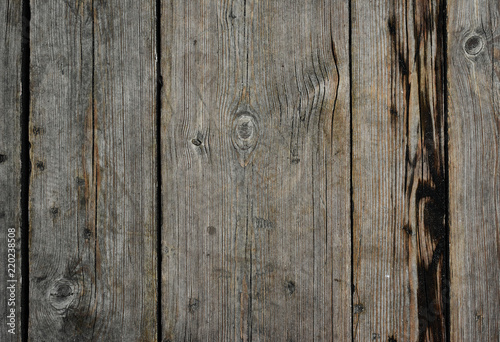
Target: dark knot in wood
{"points": [[474, 45], [61, 294], [245, 131], [245, 135]]}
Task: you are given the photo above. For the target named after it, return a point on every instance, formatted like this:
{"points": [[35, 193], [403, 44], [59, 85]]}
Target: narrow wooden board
{"points": [[474, 157], [62, 248], [399, 176], [255, 169], [125, 163], [92, 190], [10, 169]]}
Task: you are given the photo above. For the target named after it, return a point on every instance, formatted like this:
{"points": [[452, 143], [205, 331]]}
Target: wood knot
{"points": [[211, 230], [474, 45], [196, 142], [61, 294], [358, 308], [40, 165], [290, 287], [194, 304], [3, 158], [245, 135]]}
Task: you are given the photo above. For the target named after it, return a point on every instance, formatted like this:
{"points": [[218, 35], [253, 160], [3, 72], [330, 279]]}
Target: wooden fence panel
{"points": [[92, 190], [399, 178], [10, 170], [474, 157], [255, 171]]}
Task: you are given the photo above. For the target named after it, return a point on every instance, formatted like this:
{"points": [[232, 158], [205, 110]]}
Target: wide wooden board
{"points": [[474, 158], [93, 184], [399, 171], [11, 35], [255, 171]]}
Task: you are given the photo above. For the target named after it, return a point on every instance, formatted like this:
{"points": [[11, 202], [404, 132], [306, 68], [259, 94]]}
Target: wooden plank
{"points": [[255, 170], [92, 191], [474, 156], [125, 152], [10, 170], [62, 249], [399, 178], [125, 157]]}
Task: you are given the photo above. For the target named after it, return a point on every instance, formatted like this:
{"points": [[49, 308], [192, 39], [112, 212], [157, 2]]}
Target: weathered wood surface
{"points": [[398, 175], [265, 236], [474, 157], [10, 164], [93, 183], [255, 170]]}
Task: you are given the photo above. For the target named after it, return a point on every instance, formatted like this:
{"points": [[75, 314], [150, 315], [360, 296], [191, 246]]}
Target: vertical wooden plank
{"points": [[255, 153], [125, 164], [474, 157], [62, 258], [399, 178], [10, 170], [92, 242], [125, 146]]}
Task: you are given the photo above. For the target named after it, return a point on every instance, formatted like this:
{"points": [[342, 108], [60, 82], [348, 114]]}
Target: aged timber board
{"points": [[93, 183], [255, 170]]}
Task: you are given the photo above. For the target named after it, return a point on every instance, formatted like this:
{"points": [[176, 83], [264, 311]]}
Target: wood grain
{"points": [[10, 166], [474, 157], [399, 175], [92, 190], [255, 169]]}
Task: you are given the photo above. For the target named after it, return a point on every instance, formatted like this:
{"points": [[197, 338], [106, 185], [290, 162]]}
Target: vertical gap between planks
{"points": [[94, 157], [350, 170], [159, 216], [443, 22], [25, 165]]}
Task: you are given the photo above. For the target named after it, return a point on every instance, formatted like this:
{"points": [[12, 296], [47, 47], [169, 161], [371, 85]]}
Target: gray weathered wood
{"points": [[92, 191], [125, 162], [399, 185], [255, 169], [474, 157], [10, 164]]}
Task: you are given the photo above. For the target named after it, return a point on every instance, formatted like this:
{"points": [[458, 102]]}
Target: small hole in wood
{"points": [[211, 230]]}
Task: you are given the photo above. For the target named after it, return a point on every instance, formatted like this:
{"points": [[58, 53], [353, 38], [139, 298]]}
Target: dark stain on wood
{"points": [[40, 165], [431, 191]]}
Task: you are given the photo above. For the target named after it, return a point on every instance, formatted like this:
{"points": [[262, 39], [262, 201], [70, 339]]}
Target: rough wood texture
{"points": [[92, 192], [474, 157], [399, 185], [10, 163], [255, 169]]}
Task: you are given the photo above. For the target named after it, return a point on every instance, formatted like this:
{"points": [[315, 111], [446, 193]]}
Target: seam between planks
{"points": [[159, 207], [443, 20], [25, 165], [351, 188]]}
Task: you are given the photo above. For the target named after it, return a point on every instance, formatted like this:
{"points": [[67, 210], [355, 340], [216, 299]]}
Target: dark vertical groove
{"points": [[159, 216], [351, 188], [443, 22], [94, 159], [25, 166]]}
